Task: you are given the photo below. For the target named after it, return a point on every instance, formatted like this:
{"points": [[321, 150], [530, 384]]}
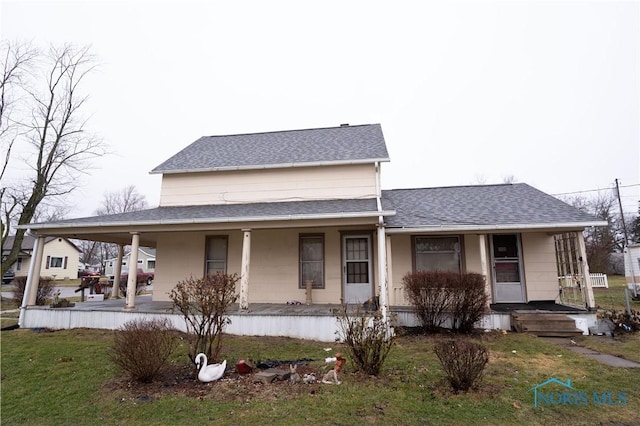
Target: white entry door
{"points": [[508, 285], [358, 283]]}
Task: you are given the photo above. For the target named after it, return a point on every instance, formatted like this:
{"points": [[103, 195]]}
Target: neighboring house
{"points": [[632, 268], [289, 209], [60, 258], [146, 261]]}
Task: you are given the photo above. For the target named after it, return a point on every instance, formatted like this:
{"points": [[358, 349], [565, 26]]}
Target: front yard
{"points": [[65, 377]]}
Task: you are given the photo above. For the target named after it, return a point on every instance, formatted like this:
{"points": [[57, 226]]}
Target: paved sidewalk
{"points": [[606, 359]]}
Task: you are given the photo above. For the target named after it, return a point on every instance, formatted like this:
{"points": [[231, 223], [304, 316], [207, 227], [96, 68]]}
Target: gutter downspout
{"points": [[382, 253]]}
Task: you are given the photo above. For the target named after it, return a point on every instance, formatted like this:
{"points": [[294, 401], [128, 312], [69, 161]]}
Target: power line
{"points": [[594, 190]]}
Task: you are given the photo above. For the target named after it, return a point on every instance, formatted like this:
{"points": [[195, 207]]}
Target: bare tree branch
{"points": [[58, 144]]}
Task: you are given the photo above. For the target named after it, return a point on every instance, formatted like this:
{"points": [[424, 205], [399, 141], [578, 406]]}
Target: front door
{"points": [[358, 283], [508, 285]]}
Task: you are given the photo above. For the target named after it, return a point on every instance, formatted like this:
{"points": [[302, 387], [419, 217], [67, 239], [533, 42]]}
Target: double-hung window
{"points": [[437, 253], [312, 260], [216, 260], [55, 262]]}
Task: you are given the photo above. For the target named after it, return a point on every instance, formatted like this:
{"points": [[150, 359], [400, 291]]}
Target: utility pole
{"points": [[625, 248]]}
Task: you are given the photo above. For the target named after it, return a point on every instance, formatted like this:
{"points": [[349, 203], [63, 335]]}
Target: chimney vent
{"points": [[344, 125]]}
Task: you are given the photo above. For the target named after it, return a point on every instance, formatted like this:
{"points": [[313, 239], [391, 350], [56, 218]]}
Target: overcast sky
{"points": [[466, 92]]}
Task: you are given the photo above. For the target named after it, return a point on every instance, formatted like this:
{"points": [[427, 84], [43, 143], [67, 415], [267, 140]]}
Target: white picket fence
{"points": [[597, 281]]}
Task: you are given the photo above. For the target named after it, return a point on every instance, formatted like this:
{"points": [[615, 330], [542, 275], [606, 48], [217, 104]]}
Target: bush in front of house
{"points": [[438, 295], [203, 303], [469, 301], [45, 290], [430, 293], [463, 362], [142, 347], [368, 339]]}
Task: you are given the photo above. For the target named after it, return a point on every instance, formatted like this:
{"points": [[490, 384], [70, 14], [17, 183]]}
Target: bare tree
{"points": [[600, 242], [17, 60], [509, 179], [634, 231], [52, 136], [128, 199]]}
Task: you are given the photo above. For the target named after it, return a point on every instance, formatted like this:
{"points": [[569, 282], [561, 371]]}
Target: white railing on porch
{"points": [[597, 281]]}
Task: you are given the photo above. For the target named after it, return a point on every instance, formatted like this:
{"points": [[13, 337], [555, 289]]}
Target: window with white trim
{"points": [[440, 253], [55, 262]]}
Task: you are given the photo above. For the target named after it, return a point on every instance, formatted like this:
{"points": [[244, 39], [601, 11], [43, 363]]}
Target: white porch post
{"points": [[390, 287], [117, 271], [382, 271], [33, 278], [133, 272], [582, 257], [484, 264], [244, 272]]}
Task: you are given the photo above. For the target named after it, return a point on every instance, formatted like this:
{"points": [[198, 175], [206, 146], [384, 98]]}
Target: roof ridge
{"points": [[290, 131], [456, 186]]}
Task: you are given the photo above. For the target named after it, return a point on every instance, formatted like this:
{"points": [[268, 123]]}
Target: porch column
{"points": [[33, 278], [382, 271], [484, 264], [582, 257], [117, 271], [390, 287], [133, 272], [244, 272]]}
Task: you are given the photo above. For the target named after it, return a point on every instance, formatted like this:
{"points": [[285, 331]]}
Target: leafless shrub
{"points": [[436, 295], [469, 301], [367, 338], [142, 347], [45, 290], [463, 362], [203, 302], [430, 293]]}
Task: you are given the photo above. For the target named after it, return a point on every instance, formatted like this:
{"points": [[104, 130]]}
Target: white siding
{"points": [[247, 186], [274, 263], [540, 267], [60, 248], [632, 263]]}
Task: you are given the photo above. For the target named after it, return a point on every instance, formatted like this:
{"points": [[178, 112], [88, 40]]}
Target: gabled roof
{"points": [[480, 207], [293, 148], [27, 244], [151, 252]]}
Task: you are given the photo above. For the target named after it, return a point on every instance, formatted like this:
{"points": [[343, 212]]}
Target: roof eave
{"points": [[274, 166], [494, 227]]}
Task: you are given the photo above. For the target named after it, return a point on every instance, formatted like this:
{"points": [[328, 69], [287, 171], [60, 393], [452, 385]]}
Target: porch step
{"points": [[544, 324]]}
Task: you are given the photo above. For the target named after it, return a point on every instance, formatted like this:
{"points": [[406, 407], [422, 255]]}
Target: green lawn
{"points": [[614, 296], [64, 377]]}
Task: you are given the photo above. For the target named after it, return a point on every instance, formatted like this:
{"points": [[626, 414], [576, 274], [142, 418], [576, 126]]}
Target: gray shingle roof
{"points": [[344, 144], [228, 212], [487, 205]]}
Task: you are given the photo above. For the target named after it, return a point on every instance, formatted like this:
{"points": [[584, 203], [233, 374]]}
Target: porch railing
{"points": [[597, 281]]}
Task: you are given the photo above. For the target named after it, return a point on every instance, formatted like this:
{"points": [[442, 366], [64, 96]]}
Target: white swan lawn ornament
{"points": [[209, 373]]}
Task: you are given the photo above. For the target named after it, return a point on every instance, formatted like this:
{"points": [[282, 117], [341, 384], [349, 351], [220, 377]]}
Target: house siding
{"points": [[274, 263], [59, 247], [290, 184]]}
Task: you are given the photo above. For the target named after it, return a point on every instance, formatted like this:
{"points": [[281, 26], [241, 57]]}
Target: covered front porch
{"points": [[313, 322]]}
